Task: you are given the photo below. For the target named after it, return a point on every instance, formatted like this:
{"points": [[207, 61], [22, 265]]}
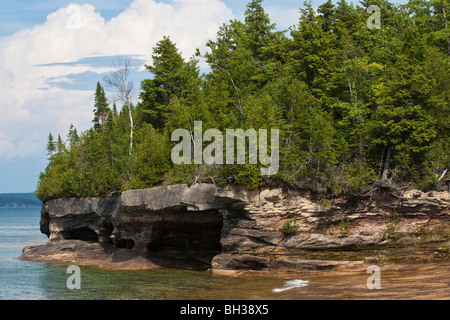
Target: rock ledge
{"points": [[233, 229]]}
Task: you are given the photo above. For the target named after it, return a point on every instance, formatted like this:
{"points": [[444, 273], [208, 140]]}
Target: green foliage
{"points": [[150, 161], [100, 107], [289, 227], [258, 29], [392, 220], [244, 174], [173, 78], [346, 227], [51, 145], [353, 105]]}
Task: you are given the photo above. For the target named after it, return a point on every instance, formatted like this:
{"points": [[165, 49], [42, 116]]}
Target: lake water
{"points": [[22, 280]]}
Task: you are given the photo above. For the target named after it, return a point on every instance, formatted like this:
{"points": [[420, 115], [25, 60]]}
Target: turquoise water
{"points": [[19, 227], [23, 280]]}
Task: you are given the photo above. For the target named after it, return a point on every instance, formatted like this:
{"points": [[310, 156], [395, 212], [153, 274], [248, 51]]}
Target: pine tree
{"points": [[51, 145], [327, 16], [432, 19], [60, 144], [314, 57], [353, 105], [401, 129], [114, 110], [101, 107], [173, 77], [72, 136], [258, 28], [234, 70]]}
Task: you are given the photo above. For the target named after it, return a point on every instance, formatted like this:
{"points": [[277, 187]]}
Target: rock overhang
{"points": [[186, 220]]}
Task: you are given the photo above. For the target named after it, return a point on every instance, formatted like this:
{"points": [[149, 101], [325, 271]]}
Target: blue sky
{"points": [[49, 67], [18, 14]]}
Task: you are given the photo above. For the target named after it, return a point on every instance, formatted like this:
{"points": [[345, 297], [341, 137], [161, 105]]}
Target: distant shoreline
{"points": [[19, 200], [19, 207]]}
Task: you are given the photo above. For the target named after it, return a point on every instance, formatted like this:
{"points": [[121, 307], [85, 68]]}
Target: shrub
{"points": [[289, 227]]}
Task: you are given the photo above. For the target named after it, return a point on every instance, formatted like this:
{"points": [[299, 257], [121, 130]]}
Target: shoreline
{"points": [[426, 279], [233, 230], [108, 258]]}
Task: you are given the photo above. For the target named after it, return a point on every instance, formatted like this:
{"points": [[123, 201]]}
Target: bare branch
{"points": [[443, 175], [118, 83]]}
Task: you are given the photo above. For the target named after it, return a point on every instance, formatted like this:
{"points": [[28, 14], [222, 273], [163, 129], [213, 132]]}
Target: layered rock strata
{"points": [[231, 228]]}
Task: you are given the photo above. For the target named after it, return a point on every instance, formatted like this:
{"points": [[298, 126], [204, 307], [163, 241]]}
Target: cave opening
{"points": [[125, 244], [189, 236], [83, 234]]}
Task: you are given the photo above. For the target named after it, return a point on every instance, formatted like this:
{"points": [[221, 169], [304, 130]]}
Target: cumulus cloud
{"points": [[34, 61]]}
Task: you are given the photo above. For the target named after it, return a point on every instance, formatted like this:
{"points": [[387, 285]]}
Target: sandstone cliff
{"points": [[231, 228]]}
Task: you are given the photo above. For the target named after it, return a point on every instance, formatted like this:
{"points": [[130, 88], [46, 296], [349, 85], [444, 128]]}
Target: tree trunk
{"points": [[239, 106], [443, 175], [386, 166], [131, 127], [446, 27]]}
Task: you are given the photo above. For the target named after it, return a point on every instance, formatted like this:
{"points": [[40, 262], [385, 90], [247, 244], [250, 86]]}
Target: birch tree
{"points": [[118, 82]]}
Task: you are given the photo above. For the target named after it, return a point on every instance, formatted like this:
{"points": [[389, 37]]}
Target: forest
{"points": [[19, 200], [356, 107]]}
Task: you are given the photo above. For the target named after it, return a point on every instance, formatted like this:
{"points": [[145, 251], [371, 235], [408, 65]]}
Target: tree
{"points": [[119, 82], [101, 107], [151, 160], [314, 56], [327, 18], [72, 136], [258, 29], [60, 144], [352, 105], [401, 128], [51, 145], [442, 33], [173, 77], [234, 68], [431, 18]]}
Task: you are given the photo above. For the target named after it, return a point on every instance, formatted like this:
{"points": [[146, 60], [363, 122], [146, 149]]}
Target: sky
{"points": [[52, 53]]}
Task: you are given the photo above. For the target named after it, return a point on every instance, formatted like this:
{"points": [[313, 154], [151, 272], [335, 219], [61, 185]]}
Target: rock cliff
{"points": [[230, 229]]}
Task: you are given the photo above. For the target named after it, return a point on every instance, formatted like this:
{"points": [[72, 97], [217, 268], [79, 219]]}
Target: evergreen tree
{"points": [[258, 29], [60, 144], [401, 129], [173, 77], [51, 145], [352, 104], [328, 18], [100, 107], [234, 70], [72, 136]]}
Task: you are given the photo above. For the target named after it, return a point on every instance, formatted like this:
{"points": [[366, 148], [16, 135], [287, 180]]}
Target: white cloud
{"points": [[30, 61]]}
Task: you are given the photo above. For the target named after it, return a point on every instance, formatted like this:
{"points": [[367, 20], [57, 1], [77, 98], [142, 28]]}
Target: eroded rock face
{"points": [[87, 219], [234, 228]]}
